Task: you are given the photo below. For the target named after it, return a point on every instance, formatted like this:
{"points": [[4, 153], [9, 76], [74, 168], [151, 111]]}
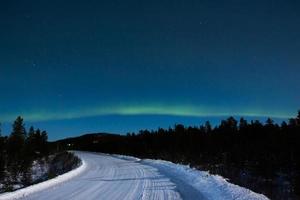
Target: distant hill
{"points": [[86, 141]]}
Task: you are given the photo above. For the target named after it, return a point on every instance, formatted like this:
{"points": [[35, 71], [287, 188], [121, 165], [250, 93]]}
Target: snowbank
{"points": [[43, 185], [212, 187]]}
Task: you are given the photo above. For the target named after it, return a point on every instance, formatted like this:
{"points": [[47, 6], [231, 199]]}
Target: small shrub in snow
{"points": [[61, 163]]}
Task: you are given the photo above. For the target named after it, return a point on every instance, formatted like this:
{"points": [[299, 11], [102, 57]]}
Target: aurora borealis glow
{"points": [[124, 110], [67, 64]]}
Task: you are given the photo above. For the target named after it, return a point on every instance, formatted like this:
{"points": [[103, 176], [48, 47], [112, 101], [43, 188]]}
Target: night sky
{"points": [[72, 67]]}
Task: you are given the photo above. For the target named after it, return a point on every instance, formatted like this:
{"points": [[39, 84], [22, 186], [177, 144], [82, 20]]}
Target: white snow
{"points": [[103, 176], [39, 170], [26, 192], [211, 186]]}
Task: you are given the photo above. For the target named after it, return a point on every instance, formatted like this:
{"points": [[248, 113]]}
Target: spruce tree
{"points": [[30, 142], [298, 119], [207, 127], [243, 124], [15, 147], [43, 144], [2, 156]]}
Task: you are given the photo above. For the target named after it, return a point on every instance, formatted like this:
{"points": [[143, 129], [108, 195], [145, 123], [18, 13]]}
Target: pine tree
{"points": [[243, 124], [229, 125], [43, 144], [36, 143], [270, 123], [15, 147], [2, 156], [298, 118], [207, 127], [30, 142]]}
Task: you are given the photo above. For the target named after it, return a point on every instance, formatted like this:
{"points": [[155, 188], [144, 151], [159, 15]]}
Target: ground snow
{"points": [[23, 193], [39, 170], [211, 186], [103, 176]]}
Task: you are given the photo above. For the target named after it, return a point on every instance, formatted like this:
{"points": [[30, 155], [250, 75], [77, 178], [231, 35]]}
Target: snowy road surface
{"points": [[119, 177]]}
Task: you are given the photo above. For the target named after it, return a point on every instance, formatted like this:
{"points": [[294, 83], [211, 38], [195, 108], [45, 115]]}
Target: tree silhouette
{"points": [[37, 142], [2, 156], [298, 119], [207, 127], [15, 147], [17, 153]]}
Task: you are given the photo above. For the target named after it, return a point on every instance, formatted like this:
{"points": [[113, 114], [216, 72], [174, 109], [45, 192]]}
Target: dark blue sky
{"points": [[82, 66]]}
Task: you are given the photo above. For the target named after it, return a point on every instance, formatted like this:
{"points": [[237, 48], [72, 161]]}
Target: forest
{"points": [[26, 159], [262, 156]]}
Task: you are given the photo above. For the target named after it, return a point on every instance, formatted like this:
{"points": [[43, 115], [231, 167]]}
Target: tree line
{"points": [[17, 153], [261, 156]]}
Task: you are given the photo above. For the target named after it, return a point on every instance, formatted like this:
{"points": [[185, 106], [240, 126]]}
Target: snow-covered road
{"points": [[116, 177]]}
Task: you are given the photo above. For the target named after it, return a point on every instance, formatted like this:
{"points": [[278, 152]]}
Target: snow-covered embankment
{"points": [[24, 192]]}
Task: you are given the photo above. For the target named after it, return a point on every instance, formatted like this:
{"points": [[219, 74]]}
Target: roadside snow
{"points": [[22, 193], [104, 176], [39, 170], [211, 186]]}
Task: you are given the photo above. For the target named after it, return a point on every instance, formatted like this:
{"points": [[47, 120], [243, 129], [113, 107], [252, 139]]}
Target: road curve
{"points": [[111, 177]]}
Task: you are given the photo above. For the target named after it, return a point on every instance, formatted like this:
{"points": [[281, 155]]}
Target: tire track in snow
{"points": [[109, 177]]}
